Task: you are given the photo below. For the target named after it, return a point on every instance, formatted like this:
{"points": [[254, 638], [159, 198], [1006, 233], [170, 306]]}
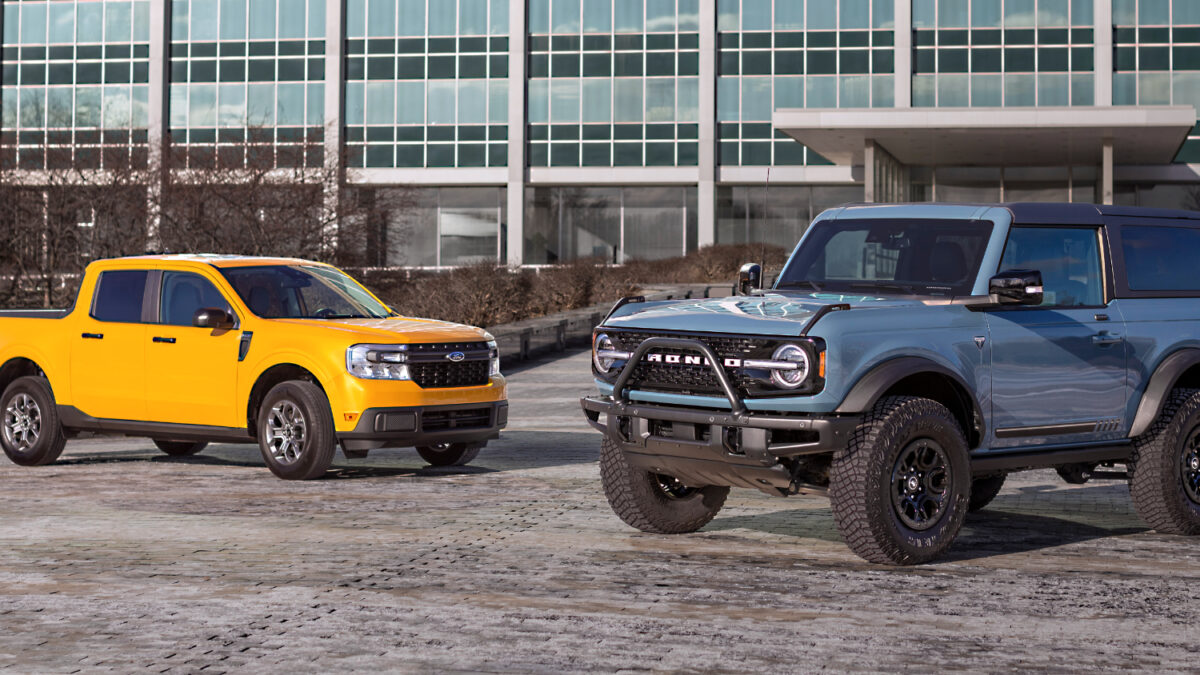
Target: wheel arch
{"points": [[917, 376], [19, 366], [276, 374], [1179, 369]]}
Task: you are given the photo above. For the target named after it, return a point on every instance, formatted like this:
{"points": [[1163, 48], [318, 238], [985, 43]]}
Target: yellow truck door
{"points": [[192, 371], [108, 355]]}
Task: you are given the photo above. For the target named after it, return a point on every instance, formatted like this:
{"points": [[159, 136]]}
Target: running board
{"points": [[1045, 457]]}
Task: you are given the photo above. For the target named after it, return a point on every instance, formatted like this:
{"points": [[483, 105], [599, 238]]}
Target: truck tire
{"points": [[983, 490], [901, 487], [1164, 472], [450, 454], [295, 431], [32, 434], [180, 448], [654, 503]]}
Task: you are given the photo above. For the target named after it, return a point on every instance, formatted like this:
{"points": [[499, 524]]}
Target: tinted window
{"points": [[917, 257], [1161, 258], [1068, 258], [183, 293], [119, 296]]}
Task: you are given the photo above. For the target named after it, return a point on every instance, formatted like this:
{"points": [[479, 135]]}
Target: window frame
{"points": [[149, 306], [158, 296], [1116, 226], [1104, 246]]}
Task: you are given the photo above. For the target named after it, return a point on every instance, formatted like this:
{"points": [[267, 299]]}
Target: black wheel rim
{"points": [[672, 487], [920, 484], [1190, 466]]}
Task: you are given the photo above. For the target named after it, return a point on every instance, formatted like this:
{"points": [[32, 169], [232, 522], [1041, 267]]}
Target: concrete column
{"points": [[335, 165], [870, 168], [1106, 172], [706, 191], [903, 60], [158, 117], [516, 132], [1103, 52]]}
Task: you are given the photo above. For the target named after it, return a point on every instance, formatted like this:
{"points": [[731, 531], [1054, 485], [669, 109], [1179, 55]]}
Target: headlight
{"points": [[602, 343], [791, 378], [494, 356], [378, 362]]}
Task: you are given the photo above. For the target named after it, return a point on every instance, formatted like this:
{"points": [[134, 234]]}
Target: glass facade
{"points": [[427, 83], [76, 84], [617, 95], [612, 224], [613, 83], [1156, 57], [247, 83], [797, 54], [992, 53]]}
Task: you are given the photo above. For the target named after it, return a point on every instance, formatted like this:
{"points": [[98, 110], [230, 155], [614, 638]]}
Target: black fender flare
{"points": [[870, 387], [1159, 387]]}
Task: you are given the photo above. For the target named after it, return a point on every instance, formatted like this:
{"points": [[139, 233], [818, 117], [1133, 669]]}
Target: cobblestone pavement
{"points": [[120, 558]]}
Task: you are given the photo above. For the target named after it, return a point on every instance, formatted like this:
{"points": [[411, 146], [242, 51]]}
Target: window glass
{"points": [[597, 16], [291, 18], [564, 100], [789, 15], [756, 14], [564, 16], [727, 14], [727, 99], [985, 13], [1068, 258], [1154, 12], [1161, 258], [442, 17], [597, 100], [411, 18], [627, 100], [262, 19], [498, 22], [302, 291], [183, 293], [472, 17], [855, 14], [883, 14], [952, 13], [909, 257], [1187, 12], [1019, 13], [660, 16], [62, 22], [89, 24], [119, 296], [628, 16]]}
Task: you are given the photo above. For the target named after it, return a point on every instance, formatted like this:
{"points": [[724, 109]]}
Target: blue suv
{"points": [[905, 360]]}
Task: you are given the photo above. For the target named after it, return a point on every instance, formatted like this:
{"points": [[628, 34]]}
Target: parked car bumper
{"points": [[401, 427], [703, 447]]}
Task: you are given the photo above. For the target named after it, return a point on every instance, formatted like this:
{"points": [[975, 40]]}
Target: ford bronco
{"points": [[905, 360], [291, 354]]}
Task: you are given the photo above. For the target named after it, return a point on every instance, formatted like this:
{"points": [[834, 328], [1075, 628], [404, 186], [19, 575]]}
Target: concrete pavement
{"points": [[120, 558]]}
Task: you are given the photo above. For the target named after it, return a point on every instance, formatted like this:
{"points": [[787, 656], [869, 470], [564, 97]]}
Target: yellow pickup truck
{"points": [[291, 354]]}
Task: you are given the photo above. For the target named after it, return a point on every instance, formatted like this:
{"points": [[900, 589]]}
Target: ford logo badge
{"points": [[456, 356]]}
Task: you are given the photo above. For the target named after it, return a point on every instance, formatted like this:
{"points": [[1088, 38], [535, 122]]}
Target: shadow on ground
{"points": [[998, 530]]}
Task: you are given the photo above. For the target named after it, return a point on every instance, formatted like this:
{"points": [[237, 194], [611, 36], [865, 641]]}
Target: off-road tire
{"points": [[983, 490], [861, 482], [452, 454], [636, 497], [180, 448], [50, 438], [1155, 474], [320, 440]]}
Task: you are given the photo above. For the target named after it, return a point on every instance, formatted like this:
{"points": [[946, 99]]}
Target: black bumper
{"points": [[701, 447], [425, 425]]}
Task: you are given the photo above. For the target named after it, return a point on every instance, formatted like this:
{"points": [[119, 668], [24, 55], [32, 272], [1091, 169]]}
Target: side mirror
{"points": [[212, 317], [749, 278], [1016, 287]]}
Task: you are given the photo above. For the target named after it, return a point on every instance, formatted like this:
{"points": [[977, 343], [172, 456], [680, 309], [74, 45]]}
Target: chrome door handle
{"points": [[1106, 339]]}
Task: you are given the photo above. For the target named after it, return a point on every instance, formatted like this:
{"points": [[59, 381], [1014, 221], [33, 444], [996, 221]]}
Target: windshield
{"points": [[909, 257], [303, 292]]}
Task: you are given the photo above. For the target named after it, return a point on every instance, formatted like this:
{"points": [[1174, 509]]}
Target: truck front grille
{"points": [[470, 418], [431, 369], [699, 380]]}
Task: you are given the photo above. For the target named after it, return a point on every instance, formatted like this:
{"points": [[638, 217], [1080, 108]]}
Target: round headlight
{"points": [[605, 343], [790, 379]]}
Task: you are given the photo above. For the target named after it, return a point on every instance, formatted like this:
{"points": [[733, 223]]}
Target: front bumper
{"points": [[701, 447], [404, 427]]}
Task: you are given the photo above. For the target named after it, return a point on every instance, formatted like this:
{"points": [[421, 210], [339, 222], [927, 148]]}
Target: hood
{"points": [[397, 330], [769, 314]]}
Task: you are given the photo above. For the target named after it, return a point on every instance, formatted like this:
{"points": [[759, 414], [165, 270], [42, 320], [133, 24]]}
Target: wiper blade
{"points": [[904, 288], [342, 316], [815, 286]]}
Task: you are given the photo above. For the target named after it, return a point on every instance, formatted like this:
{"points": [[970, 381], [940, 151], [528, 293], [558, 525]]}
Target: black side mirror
{"points": [[1016, 287], [749, 278], [212, 317]]}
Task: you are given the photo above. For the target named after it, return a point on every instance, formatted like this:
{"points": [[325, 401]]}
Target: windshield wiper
{"points": [[342, 316], [815, 286], [903, 288]]}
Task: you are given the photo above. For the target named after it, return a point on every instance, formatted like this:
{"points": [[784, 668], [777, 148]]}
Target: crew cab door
{"points": [[192, 371], [1058, 370], [108, 354]]}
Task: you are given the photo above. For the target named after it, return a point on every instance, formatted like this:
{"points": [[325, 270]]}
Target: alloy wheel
{"points": [[286, 432], [921, 484], [22, 422], [1190, 466]]}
